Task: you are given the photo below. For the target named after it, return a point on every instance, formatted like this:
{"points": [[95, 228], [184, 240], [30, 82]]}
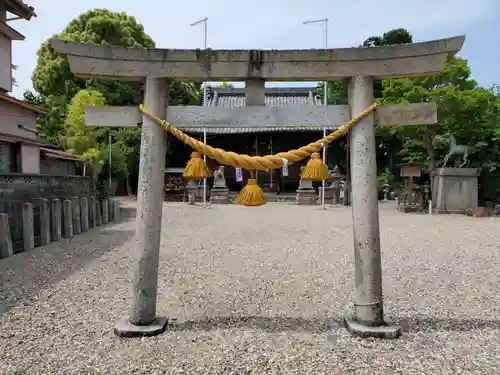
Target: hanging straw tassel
{"points": [[315, 169], [251, 194], [196, 168]]}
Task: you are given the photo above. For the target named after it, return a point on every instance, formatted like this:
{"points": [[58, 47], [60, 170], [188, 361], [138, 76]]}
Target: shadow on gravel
{"points": [[268, 324], [422, 324], [284, 324], [27, 273]]}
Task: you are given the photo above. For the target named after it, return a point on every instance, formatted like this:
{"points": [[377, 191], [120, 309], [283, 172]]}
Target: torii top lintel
{"points": [[417, 59]]}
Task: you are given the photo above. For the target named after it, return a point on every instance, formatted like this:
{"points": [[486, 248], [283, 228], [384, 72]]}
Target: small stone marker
{"points": [[92, 213], [76, 215], [55, 215], [67, 219], [44, 222], [28, 227], [6, 249], [84, 213], [105, 211]]}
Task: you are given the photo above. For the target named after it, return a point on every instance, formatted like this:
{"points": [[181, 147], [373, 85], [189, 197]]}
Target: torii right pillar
{"points": [[368, 319]]}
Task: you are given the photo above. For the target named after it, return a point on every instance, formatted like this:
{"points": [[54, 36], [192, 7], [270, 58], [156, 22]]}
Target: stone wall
{"points": [[24, 187]]}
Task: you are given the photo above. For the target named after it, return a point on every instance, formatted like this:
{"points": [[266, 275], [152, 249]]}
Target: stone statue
{"points": [[219, 192], [336, 184], [455, 149], [219, 179]]}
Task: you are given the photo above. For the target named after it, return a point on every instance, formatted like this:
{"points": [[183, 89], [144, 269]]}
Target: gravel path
{"points": [[256, 291]]}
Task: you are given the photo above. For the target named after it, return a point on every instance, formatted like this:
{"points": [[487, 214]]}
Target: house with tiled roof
{"points": [[260, 141], [21, 150]]}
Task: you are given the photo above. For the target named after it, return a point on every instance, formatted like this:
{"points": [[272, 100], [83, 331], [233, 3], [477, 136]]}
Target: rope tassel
{"points": [[315, 169], [251, 194], [196, 168]]}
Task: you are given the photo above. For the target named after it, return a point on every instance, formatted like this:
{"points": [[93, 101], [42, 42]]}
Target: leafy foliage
{"points": [[465, 110], [80, 139], [62, 93]]}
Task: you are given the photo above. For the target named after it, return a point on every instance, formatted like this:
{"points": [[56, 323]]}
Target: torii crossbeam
{"points": [[360, 65]]}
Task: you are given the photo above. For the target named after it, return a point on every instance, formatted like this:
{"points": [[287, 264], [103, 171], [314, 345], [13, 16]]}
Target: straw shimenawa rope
{"points": [[260, 163]]}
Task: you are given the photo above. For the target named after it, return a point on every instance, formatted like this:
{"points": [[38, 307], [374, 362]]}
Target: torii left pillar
{"points": [[142, 319]]}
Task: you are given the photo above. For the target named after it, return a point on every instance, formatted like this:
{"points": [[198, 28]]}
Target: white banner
{"points": [[239, 175], [284, 169]]}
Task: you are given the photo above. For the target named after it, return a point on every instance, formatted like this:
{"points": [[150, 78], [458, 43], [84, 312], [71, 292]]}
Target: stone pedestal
{"points": [[454, 190], [192, 188], [219, 195], [271, 196], [306, 193], [219, 192]]}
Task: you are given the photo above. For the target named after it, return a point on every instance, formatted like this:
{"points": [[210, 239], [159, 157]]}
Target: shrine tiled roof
{"points": [[275, 97], [20, 9]]}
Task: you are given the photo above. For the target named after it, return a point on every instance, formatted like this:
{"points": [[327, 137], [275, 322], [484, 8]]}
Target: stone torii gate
{"points": [[360, 65]]}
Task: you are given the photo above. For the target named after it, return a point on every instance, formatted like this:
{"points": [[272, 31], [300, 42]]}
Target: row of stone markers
{"points": [[59, 220]]}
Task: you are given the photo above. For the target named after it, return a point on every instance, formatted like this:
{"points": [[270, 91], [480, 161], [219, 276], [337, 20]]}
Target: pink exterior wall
{"points": [[11, 116], [5, 63]]}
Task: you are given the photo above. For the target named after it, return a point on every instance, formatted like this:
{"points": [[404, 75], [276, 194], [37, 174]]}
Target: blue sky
{"points": [[268, 24]]}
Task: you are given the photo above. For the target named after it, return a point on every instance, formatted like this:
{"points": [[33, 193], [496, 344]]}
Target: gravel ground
{"points": [[258, 291]]}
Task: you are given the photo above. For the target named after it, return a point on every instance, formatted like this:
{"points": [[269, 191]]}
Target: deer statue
{"points": [[455, 149]]}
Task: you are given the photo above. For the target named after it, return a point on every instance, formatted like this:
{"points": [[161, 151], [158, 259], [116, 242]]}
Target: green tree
{"points": [[80, 139], [52, 76], [56, 85], [337, 91], [392, 37], [463, 111]]}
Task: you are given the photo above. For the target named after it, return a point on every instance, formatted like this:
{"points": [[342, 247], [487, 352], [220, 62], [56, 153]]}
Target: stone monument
{"points": [[305, 192], [454, 190], [220, 192]]}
